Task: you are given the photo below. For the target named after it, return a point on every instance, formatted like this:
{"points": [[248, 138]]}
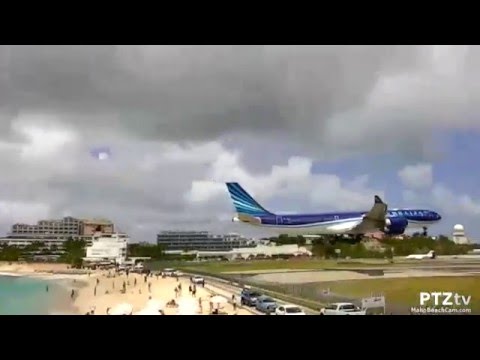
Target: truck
{"points": [[342, 308]]}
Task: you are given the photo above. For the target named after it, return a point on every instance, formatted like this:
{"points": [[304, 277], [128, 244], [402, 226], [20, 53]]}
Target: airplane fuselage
{"points": [[339, 222], [378, 218]]}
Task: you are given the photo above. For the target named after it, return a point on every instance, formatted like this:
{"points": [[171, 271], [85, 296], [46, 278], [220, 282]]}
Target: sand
{"points": [[20, 268], [107, 293]]}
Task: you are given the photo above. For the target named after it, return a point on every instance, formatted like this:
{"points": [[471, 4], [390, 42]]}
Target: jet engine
{"points": [[395, 226]]}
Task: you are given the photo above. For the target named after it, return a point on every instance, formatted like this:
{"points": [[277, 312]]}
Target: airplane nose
{"points": [[437, 216]]}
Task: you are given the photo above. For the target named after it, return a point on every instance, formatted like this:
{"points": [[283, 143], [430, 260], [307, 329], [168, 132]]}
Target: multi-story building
{"points": [[56, 232], [199, 241], [67, 226], [108, 247]]}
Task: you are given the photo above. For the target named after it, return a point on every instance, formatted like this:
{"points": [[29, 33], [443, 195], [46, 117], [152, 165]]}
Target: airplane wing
{"points": [[374, 219], [248, 219]]}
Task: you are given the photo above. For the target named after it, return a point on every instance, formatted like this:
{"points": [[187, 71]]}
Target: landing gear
{"points": [[425, 231], [355, 238]]}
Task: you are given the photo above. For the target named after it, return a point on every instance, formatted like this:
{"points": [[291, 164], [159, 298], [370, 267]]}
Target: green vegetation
{"points": [[10, 253], [74, 252], [328, 254], [13, 253], [398, 291], [421, 245], [328, 246], [153, 251], [272, 265]]}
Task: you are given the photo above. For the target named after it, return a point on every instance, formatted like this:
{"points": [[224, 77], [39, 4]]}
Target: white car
{"points": [[289, 310], [198, 280], [342, 309], [169, 272]]}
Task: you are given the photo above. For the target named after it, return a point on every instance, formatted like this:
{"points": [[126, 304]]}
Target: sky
{"points": [[302, 128]]}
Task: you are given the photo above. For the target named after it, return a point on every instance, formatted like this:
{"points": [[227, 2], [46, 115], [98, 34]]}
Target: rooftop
{"points": [[97, 221]]}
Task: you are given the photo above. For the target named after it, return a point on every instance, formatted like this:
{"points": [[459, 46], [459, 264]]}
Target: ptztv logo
{"points": [[444, 299]]}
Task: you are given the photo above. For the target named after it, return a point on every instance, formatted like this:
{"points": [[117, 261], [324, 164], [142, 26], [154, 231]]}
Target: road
{"points": [[227, 289]]}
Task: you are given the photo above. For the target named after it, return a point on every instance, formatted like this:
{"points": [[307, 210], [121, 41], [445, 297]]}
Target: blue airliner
{"points": [[356, 223]]}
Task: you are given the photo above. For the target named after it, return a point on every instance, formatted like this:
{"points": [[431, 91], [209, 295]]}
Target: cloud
{"points": [[417, 176], [455, 204], [23, 212], [181, 120], [334, 99], [293, 184]]}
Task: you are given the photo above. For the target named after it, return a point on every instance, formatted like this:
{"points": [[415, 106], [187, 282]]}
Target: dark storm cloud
{"points": [[196, 92], [161, 103]]}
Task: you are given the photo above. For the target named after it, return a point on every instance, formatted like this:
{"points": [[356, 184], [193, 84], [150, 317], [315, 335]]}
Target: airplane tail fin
{"points": [[244, 203], [378, 212]]}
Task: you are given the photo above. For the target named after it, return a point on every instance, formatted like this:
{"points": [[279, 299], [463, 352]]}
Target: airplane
{"points": [[429, 255], [354, 223]]}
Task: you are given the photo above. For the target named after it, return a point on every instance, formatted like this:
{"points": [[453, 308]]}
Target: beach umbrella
{"points": [[187, 306], [155, 304], [122, 309], [148, 311], [218, 300]]}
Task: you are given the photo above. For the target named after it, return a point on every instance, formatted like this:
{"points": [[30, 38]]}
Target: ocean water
{"points": [[27, 296]]}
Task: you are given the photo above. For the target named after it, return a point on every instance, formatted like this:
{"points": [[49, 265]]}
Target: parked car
{"points": [[289, 310], [198, 280], [342, 309], [249, 297], [169, 272], [266, 304]]}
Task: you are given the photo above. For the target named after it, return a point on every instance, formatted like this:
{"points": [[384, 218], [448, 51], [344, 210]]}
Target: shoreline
{"points": [[103, 290], [62, 278]]}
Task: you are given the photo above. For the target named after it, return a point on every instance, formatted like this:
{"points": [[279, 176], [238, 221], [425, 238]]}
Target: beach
{"points": [[102, 290]]}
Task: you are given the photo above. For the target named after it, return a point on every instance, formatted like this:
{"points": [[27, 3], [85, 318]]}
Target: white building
{"points": [[459, 235], [258, 251], [108, 247]]}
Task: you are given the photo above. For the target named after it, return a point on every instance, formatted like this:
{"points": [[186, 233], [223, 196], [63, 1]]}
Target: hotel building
{"points": [[56, 232], [175, 241]]}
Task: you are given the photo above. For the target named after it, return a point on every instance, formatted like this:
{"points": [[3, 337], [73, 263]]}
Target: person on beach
{"points": [[95, 291], [98, 281], [194, 291], [190, 289], [135, 282], [149, 287], [46, 288], [72, 294]]}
